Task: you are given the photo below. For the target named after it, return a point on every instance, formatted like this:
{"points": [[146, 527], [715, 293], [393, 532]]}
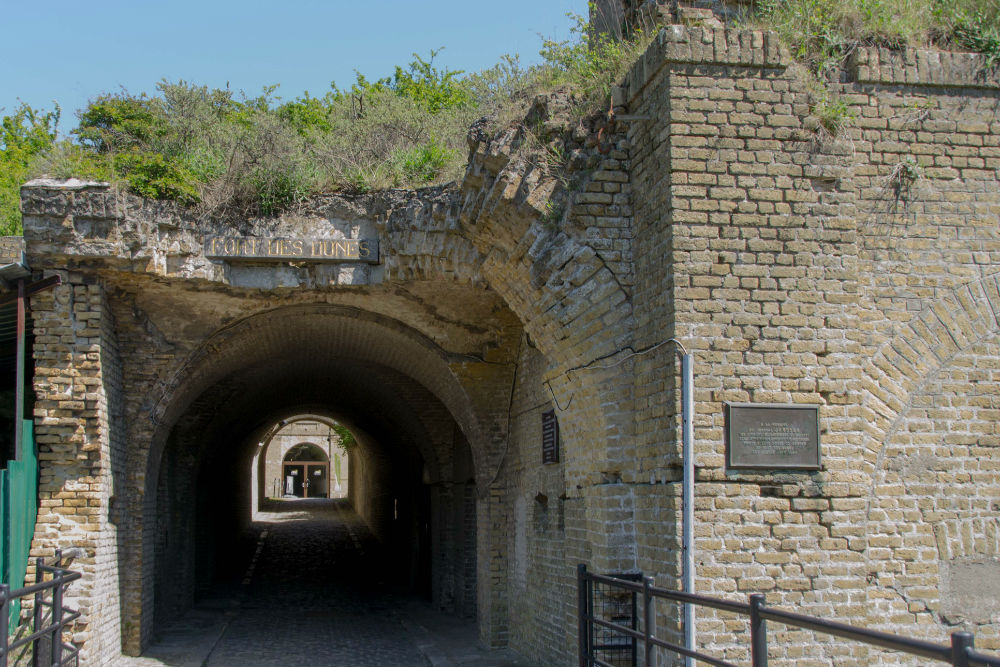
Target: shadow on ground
{"points": [[313, 593]]}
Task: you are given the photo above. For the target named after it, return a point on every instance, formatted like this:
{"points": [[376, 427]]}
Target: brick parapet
{"points": [[709, 45], [702, 46], [92, 225]]}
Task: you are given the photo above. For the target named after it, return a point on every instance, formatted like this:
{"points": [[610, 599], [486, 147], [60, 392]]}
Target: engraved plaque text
{"points": [[772, 437]]}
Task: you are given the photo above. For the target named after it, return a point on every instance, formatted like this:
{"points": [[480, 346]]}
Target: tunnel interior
{"points": [[412, 477]]}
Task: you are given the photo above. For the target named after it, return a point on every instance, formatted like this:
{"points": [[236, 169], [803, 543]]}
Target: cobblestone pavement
{"points": [[311, 595]]}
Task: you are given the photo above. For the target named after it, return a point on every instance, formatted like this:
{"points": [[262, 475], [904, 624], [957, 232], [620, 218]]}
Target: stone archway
{"points": [[466, 275], [417, 428], [304, 462]]}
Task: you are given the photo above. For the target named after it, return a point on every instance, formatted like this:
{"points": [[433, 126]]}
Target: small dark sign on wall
{"points": [[766, 436], [550, 437]]}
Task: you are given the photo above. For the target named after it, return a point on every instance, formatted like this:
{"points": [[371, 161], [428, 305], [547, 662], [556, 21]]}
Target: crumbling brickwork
{"points": [[78, 379]]}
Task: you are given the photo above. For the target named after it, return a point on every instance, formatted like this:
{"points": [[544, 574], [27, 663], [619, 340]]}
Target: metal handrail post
{"points": [[581, 603], [57, 615], [961, 644], [589, 589], [649, 621], [4, 623], [758, 632], [38, 615], [635, 626]]}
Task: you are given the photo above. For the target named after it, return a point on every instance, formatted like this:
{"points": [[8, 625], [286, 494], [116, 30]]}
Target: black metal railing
{"points": [[37, 640], [621, 607], [960, 653]]}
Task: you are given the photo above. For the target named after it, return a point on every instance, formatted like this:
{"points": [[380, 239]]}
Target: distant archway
{"points": [[302, 440]]}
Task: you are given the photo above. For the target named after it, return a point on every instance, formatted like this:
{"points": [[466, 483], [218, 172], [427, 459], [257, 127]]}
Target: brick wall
{"points": [[803, 268], [78, 383], [856, 273]]}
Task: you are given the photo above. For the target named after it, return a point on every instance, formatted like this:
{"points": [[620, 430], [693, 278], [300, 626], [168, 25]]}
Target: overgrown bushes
{"points": [[822, 33], [230, 153], [24, 136]]}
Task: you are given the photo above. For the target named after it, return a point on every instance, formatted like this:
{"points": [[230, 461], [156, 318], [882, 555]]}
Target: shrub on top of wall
{"points": [[243, 155]]}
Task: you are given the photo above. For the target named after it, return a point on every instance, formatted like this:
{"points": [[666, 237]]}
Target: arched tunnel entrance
{"points": [[411, 463]]}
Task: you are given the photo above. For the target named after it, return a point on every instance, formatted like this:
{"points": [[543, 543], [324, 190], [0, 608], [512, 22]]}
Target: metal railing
{"points": [[960, 653], [38, 640]]}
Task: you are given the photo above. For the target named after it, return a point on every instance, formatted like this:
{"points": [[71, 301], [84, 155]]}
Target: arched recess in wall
{"points": [[308, 358], [931, 402]]}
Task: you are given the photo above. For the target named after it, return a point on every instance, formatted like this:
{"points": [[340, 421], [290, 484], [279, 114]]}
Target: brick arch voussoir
{"points": [[547, 272], [943, 329], [570, 303]]}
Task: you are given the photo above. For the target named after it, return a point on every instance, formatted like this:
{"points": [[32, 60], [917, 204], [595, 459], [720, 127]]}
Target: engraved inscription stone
{"points": [[772, 437], [232, 248]]}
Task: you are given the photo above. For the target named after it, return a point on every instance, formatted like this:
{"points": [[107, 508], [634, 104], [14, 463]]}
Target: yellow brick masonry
{"points": [[76, 375], [803, 270], [857, 273]]}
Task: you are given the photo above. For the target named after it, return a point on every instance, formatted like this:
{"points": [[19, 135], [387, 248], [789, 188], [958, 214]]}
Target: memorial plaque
{"points": [[772, 437], [234, 248]]}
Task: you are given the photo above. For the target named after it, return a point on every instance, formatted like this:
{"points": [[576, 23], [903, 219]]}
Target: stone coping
{"points": [[923, 67], [65, 184], [722, 46]]}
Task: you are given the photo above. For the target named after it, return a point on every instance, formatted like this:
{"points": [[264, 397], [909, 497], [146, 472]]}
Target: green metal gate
{"points": [[18, 510]]}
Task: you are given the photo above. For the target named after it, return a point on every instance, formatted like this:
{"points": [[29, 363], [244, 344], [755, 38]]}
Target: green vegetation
{"points": [[24, 136], [831, 111], [978, 28], [235, 154], [903, 176], [822, 33], [590, 64], [347, 440]]}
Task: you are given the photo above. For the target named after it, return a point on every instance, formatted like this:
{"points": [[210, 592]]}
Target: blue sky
{"points": [[69, 52]]}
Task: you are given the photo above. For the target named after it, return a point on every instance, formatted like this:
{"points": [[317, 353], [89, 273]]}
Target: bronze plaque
{"points": [[311, 250], [766, 436]]}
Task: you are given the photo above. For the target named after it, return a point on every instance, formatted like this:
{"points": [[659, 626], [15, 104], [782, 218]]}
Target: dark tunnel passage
{"points": [[412, 478]]}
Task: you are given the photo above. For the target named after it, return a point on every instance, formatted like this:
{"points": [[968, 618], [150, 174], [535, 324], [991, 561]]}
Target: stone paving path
{"points": [[312, 595]]}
